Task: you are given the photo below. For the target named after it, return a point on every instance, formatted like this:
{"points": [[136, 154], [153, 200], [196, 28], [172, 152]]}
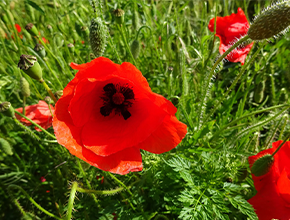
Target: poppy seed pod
{"points": [[271, 22], [7, 109], [58, 94], [31, 29], [24, 85], [48, 100], [5, 147], [119, 16], [30, 66], [135, 48], [98, 36], [262, 165], [39, 49]]}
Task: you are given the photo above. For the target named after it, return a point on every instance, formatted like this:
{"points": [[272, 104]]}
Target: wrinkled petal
{"points": [[229, 29], [166, 137]]}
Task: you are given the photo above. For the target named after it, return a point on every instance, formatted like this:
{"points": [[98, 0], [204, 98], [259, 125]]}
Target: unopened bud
{"points": [[71, 48], [39, 49], [58, 94], [30, 66], [271, 22], [98, 36], [135, 48], [24, 85], [5, 147], [262, 165], [7, 109], [48, 100], [31, 29], [119, 15], [259, 92]]}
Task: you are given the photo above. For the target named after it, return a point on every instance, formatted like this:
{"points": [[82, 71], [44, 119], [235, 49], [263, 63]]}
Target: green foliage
{"points": [[206, 176]]}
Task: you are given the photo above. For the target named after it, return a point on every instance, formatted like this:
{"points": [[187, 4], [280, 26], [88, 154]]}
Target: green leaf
{"points": [[35, 6]]}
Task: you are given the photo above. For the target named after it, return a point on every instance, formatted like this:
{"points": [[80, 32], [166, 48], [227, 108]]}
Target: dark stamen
{"points": [[117, 97]]}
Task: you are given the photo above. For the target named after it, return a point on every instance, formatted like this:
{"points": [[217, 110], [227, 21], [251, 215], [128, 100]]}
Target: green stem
{"points": [[88, 183], [101, 192], [34, 203], [26, 129], [236, 80], [120, 183], [41, 128], [71, 200], [281, 145], [49, 91], [24, 104], [121, 30]]}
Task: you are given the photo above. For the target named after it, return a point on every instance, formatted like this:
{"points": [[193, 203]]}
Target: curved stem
{"points": [[41, 128], [49, 91], [71, 200], [281, 145], [236, 80], [100, 192], [24, 104], [26, 129], [35, 203]]}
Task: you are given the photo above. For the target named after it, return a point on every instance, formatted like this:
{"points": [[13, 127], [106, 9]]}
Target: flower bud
{"points": [[30, 66], [58, 94], [39, 49], [7, 109], [135, 20], [5, 147], [259, 92], [48, 100], [31, 29], [24, 85], [271, 21], [71, 48], [135, 48], [283, 95], [98, 36], [119, 16], [262, 165]]}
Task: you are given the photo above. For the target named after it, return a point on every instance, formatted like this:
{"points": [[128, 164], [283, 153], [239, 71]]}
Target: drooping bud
{"points": [[39, 49], [271, 22], [58, 94], [259, 91], [119, 16], [5, 147], [135, 48], [24, 86], [7, 109], [31, 29], [262, 165], [30, 66], [71, 48], [98, 36]]}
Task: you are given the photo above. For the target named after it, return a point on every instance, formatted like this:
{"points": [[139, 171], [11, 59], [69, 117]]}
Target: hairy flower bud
{"points": [[98, 36], [24, 86], [262, 165], [31, 29], [119, 16], [271, 22], [30, 66], [7, 109], [5, 147], [135, 48]]}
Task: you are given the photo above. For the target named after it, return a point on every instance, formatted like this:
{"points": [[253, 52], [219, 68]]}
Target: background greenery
{"points": [[206, 176]]}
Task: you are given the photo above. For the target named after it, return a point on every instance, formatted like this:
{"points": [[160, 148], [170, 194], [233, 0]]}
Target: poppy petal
{"points": [[283, 185], [166, 137]]}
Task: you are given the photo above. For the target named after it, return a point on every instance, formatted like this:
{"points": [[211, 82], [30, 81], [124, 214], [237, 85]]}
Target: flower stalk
{"points": [[71, 200]]}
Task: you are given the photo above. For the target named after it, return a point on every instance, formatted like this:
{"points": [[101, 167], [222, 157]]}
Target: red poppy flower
{"points": [[108, 113], [39, 113], [272, 200], [18, 28], [229, 29], [42, 179]]}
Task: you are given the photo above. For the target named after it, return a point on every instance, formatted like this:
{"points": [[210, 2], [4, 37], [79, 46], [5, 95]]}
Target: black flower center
{"points": [[117, 97]]}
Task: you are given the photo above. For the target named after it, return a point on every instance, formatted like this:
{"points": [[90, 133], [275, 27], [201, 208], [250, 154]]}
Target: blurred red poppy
{"points": [[229, 29], [39, 113], [42, 179], [272, 200], [18, 28], [108, 113]]}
